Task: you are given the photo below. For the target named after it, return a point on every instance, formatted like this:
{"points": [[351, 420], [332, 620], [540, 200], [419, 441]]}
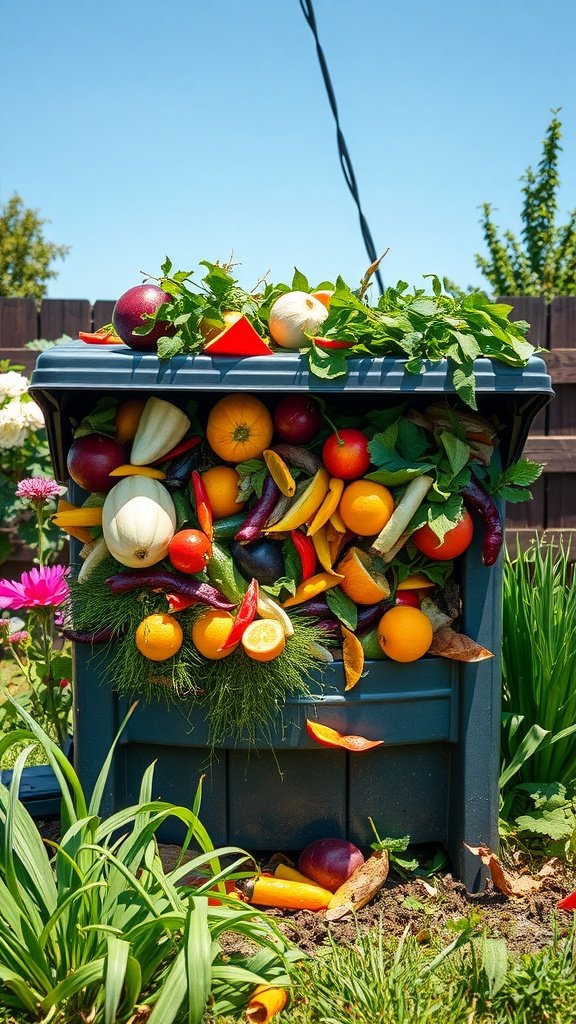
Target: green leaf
{"points": [[101, 420], [299, 282], [169, 347], [397, 477], [327, 363], [458, 452], [284, 583], [464, 383], [115, 971], [495, 964], [342, 607]]}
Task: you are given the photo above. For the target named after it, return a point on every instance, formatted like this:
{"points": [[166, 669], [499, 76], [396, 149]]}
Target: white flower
{"points": [[33, 416], [12, 384], [13, 427]]}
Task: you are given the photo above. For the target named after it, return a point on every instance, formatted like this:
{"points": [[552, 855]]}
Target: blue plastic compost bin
{"points": [[436, 776]]}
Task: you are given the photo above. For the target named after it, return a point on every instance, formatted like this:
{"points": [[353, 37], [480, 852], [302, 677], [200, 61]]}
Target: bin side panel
{"points": [[402, 789], [284, 800], [176, 776], [473, 795], [97, 717]]}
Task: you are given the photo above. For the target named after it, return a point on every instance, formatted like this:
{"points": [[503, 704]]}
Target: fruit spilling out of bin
{"points": [[299, 576]]}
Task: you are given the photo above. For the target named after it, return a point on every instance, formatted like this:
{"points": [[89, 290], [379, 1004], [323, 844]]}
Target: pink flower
{"points": [[19, 637], [38, 488], [45, 587]]}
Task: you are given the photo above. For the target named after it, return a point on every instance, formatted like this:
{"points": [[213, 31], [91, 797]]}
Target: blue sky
{"points": [[191, 129]]}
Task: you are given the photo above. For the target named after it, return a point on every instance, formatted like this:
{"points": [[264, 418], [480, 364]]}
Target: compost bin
{"points": [[435, 777]]}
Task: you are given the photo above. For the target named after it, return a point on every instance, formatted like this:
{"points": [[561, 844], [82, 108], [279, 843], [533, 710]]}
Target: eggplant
{"points": [[258, 516]]}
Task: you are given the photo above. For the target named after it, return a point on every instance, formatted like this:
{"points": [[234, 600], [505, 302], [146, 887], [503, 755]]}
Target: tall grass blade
{"points": [[198, 945], [116, 964], [495, 964]]}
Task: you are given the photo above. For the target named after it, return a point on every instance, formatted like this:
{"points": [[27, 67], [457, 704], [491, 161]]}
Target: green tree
{"points": [[26, 257], [543, 262]]}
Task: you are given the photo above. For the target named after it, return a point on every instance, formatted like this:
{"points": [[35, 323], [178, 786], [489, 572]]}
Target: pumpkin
{"points": [[239, 428], [138, 521]]}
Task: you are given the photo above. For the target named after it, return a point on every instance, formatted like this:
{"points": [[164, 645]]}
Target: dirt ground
{"points": [[527, 923]]}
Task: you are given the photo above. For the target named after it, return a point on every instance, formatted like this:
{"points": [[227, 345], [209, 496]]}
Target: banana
{"points": [[305, 505]]}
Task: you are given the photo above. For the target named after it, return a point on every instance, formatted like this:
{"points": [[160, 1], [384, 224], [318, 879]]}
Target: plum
{"points": [[91, 459], [128, 314]]}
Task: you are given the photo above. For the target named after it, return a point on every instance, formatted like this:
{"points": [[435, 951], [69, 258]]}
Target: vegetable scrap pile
{"points": [[329, 323], [235, 551]]}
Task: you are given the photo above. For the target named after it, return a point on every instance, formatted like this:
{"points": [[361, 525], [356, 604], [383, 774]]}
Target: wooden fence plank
{"points": [[102, 313], [558, 452], [18, 322], [532, 309], [561, 365], [561, 485], [64, 316], [529, 513], [563, 322]]}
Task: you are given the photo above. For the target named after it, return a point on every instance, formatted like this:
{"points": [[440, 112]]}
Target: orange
{"points": [[264, 639], [210, 631], [405, 633], [127, 419], [366, 507], [159, 636], [361, 583], [221, 483]]}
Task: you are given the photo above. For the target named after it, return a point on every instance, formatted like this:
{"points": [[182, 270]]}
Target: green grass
{"points": [[11, 678]]}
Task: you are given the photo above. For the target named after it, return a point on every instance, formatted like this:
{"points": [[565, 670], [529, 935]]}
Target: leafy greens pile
{"points": [[410, 324]]}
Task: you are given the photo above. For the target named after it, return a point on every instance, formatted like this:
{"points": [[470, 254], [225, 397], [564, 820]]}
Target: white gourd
{"points": [[162, 425], [293, 316], [138, 521]]}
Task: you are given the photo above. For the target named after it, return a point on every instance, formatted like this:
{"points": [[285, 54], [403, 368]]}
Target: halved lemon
{"points": [[362, 583], [264, 639]]}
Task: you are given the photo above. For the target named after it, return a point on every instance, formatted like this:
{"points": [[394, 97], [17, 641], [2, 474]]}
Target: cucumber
{"points": [[224, 575], [226, 528]]}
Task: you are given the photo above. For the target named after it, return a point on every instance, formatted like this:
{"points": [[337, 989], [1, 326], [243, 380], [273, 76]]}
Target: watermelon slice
{"points": [[240, 339]]}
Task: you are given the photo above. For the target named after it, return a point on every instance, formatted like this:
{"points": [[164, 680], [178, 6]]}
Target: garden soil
{"points": [[418, 905]]}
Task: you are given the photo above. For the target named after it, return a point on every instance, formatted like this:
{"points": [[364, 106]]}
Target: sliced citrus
{"points": [[159, 637], [417, 581], [352, 657], [405, 633], [210, 631], [264, 639], [362, 583], [366, 507]]}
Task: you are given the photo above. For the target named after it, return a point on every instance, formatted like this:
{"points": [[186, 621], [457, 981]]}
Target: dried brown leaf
{"points": [[446, 643], [505, 881], [361, 887]]}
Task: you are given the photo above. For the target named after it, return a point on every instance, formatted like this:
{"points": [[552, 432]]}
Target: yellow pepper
{"points": [[328, 506], [313, 586]]}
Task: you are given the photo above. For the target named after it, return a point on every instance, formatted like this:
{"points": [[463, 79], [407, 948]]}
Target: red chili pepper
{"points": [[332, 738], [180, 449], [245, 615], [177, 602], [105, 336], [306, 553], [568, 903], [202, 502]]}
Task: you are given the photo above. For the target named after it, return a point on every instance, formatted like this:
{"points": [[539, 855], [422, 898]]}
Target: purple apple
{"points": [[91, 459], [128, 314]]}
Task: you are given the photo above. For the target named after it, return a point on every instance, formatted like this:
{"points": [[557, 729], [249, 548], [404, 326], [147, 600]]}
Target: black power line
{"points": [[345, 161]]}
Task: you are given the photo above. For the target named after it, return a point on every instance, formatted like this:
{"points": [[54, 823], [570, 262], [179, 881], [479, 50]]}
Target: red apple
{"points": [[129, 312], [91, 459]]}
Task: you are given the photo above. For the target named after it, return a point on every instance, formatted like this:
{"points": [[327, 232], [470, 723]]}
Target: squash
{"points": [[162, 425], [239, 428], [138, 521]]}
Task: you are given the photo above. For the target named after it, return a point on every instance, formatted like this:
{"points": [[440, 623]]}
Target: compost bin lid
{"points": [[68, 377]]}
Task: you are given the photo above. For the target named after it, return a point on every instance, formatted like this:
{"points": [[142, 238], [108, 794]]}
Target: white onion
{"points": [[293, 316]]}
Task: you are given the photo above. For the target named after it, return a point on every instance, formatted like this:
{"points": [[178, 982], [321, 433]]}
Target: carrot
{"points": [[268, 891], [292, 875]]}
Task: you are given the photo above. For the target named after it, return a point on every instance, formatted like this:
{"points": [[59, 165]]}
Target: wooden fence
{"points": [[552, 439]]}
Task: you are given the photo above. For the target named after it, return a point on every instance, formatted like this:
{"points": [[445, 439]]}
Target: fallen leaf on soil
{"points": [[361, 887], [505, 881], [552, 867], [448, 644], [266, 1001], [431, 890]]}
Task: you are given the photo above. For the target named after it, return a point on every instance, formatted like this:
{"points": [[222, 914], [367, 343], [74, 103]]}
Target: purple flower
{"points": [[45, 587], [38, 489]]}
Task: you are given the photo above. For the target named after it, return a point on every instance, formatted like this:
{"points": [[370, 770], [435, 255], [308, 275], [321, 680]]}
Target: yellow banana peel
{"points": [[313, 586], [305, 505], [78, 517], [322, 549], [129, 470], [328, 506], [280, 472]]}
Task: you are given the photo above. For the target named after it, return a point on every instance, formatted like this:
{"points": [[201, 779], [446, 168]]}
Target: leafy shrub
{"points": [[102, 929]]}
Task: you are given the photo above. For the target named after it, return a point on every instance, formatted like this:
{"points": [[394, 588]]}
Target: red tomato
{"points": [[409, 597], [455, 541], [190, 551], [346, 455]]}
